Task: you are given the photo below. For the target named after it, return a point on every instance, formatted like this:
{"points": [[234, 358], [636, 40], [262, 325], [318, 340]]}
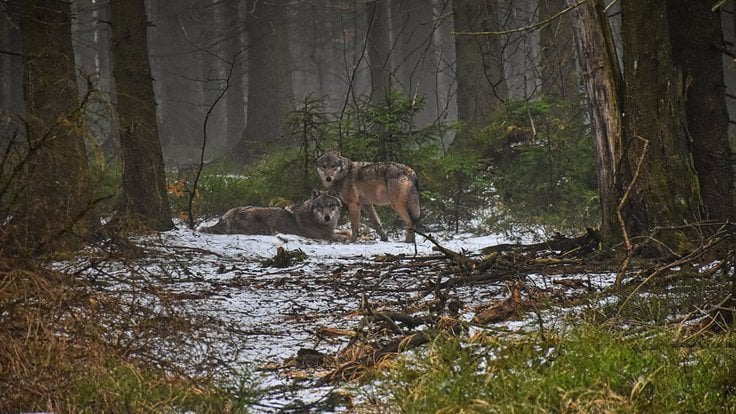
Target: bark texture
{"points": [[481, 87], [144, 180], [696, 36], [56, 194], [379, 49], [665, 194], [602, 80], [270, 92]]}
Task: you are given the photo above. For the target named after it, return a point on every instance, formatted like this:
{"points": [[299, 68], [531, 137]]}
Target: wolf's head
{"points": [[325, 207], [331, 167]]}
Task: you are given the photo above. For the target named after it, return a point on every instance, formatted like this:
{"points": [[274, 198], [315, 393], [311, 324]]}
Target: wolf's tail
{"points": [[218, 228], [415, 210]]}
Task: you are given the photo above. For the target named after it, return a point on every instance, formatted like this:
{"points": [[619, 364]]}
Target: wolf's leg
{"points": [[370, 210], [406, 217], [354, 213]]}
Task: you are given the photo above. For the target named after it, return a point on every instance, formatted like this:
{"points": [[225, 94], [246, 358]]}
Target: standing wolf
{"points": [[361, 185], [315, 218]]}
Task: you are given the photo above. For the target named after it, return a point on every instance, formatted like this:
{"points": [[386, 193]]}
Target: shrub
{"points": [[540, 160]]}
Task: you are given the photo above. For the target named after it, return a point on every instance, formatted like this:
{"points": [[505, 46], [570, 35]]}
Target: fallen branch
{"points": [[459, 259]]}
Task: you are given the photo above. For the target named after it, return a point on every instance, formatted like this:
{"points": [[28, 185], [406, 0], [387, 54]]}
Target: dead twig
{"points": [[630, 248], [690, 257], [459, 259]]}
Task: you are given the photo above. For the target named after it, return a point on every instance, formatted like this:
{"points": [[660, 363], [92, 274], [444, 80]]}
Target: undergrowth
{"points": [[60, 351], [279, 179], [646, 348], [592, 368]]}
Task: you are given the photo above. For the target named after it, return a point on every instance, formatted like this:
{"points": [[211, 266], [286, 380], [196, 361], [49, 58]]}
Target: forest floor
{"points": [[295, 318]]}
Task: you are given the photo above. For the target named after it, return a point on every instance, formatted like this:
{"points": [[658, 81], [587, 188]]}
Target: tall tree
{"points": [[234, 46], [557, 61], [695, 32], [603, 84], [270, 92], [379, 48], [11, 73], [177, 67], [664, 186], [56, 194], [418, 63], [144, 182], [481, 86], [91, 42]]}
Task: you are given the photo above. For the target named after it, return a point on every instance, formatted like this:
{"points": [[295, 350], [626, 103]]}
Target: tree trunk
{"points": [[481, 86], [91, 42], [696, 37], [603, 84], [664, 195], [557, 61], [56, 197], [270, 92], [177, 69], [144, 181], [416, 61], [11, 74], [234, 99], [379, 49]]}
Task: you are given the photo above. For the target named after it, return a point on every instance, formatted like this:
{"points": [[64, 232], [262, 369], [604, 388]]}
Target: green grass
{"points": [[123, 388], [589, 369], [278, 179]]}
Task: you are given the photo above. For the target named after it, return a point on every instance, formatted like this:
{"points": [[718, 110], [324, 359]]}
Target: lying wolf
{"points": [[315, 218], [361, 185]]}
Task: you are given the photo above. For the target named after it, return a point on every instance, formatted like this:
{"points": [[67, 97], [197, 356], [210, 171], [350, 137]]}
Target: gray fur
{"points": [[315, 218], [363, 185]]}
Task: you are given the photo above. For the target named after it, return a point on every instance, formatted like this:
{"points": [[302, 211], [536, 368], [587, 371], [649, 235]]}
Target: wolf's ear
{"points": [[315, 193]]}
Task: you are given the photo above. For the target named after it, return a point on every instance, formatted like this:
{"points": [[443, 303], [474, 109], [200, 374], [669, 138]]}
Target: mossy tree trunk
{"points": [[696, 36], [51, 212], [664, 191], [144, 182]]}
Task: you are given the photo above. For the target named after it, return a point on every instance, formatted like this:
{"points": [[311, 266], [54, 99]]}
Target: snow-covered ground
{"points": [[270, 313]]}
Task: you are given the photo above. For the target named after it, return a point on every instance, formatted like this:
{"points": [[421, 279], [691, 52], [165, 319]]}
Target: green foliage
{"points": [[308, 125], [454, 188], [374, 132], [534, 165], [541, 163], [277, 179], [590, 369], [108, 179], [384, 131]]}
